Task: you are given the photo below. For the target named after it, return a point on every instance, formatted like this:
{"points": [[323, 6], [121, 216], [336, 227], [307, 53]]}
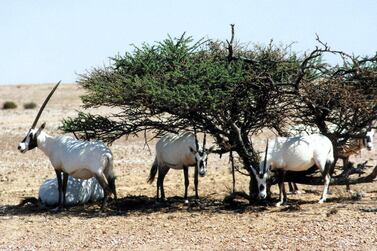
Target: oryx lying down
{"points": [[78, 192], [69, 156], [295, 154], [179, 152]]}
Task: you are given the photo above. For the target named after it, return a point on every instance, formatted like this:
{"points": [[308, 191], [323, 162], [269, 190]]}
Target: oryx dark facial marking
{"points": [[31, 139]]}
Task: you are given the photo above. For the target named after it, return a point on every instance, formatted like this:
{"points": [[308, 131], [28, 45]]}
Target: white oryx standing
{"points": [[179, 152], [351, 147], [344, 152], [295, 154], [69, 156]]}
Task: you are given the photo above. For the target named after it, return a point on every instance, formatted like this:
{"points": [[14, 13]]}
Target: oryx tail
{"points": [[153, 172]]}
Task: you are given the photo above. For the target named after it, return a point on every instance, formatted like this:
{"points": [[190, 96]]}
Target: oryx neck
{"points": [[44, 142]]}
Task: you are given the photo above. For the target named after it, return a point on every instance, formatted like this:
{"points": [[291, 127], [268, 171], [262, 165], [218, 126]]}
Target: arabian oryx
{"points": [[295, 154], [344, 152], [78, 192], [69, 156], [351, 147], [179, 152]]}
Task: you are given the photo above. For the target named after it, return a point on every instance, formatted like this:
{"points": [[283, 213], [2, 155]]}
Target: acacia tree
{"points": [[222, 88]]}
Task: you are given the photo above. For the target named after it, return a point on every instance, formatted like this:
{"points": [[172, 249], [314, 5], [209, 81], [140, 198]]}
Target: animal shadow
{"points": [[138, 205]]}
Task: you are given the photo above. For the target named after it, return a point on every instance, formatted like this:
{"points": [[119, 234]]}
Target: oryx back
{"points": [[299, 153], [80, 159], [174, 150]]}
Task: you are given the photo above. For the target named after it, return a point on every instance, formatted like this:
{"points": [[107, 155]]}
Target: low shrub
{"points": [[9, 105], [30, 105]]}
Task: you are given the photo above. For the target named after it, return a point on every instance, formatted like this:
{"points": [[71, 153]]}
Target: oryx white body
{"points": [[79, 192], [351, 147], [71, 157], [78, 158], [178, 152], [174, 151], [296, 154], [344, 152]]}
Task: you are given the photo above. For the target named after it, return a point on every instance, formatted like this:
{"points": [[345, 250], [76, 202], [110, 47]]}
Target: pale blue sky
{"points": [[48, 40]]}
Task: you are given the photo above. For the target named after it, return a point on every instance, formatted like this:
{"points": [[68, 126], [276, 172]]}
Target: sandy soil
{"points": [[135, 221]]}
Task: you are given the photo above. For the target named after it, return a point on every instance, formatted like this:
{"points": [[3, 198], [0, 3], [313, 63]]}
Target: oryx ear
{"points": [[211, 149], [41, 128], [192, 150]]}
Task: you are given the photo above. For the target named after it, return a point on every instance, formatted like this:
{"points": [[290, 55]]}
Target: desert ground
{"points": [[136, 222]]}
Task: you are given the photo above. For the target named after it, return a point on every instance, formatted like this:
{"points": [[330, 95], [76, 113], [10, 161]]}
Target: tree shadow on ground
{"points": [[138, 205], [142, 205]]}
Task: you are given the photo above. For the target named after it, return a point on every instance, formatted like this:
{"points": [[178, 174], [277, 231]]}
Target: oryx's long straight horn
{"points": [[265, 158], [196, 140], [204, 141], [43, 105]]}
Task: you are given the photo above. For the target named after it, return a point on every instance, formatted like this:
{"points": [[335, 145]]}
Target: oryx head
{"points": [[261, 176], [201, 155], [30, 140], [368, 140]]}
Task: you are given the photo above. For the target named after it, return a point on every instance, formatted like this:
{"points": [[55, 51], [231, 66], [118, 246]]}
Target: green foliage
{"points": [[9, 105], [229, 91], [195, 83]]}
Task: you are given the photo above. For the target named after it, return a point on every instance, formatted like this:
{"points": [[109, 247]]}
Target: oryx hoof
{"points": [[280, 203], [321, 201]]}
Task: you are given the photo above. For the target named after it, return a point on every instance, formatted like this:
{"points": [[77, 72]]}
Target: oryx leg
{"points": [[293, 188], [105, 186], [187, 182], [162, 171], [282, 192], [60, 187], [111, 181], [324, 167], [196, 181], [327, 179], [65, 181]]}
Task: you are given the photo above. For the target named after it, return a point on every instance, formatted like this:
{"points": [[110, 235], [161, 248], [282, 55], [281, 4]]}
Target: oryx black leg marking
{"points": [[65, 180], [282, 192], [60, 187], [111, 181], [160, 180], [196, 181], [187, 182]]}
